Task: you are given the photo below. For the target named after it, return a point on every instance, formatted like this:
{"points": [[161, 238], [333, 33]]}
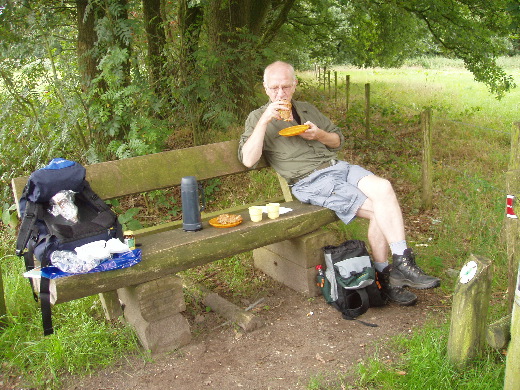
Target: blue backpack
{"points": [[41, 232]]}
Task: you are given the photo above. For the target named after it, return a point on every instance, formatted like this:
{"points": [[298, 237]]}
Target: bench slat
{"points": [[204, 216], [174, 251], [157, 171]]}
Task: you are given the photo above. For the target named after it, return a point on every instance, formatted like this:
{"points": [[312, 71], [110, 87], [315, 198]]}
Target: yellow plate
{"points": [[293, 130], [213, 222]]}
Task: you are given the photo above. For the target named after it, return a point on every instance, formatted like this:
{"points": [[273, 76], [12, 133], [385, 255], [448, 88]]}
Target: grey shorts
{"points": [[335, 188]]}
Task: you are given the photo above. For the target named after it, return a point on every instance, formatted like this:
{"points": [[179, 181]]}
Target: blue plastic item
{"points": [[118, 261]]}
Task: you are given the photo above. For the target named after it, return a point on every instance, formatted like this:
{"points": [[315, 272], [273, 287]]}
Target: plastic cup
{"points": [[255, 212], [273, 210]]}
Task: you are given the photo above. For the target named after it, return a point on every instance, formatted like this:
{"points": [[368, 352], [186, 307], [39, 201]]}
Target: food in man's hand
{"points": [[226, 219], [287, 113]]}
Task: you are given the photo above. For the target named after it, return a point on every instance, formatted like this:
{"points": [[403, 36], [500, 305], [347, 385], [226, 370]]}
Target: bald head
{"points": [[279, 67], [279, 81]]}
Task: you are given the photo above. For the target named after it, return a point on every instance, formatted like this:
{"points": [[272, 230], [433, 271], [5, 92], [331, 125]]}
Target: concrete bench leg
{"points": [[154, 310], [111, 305], [292, 262]]}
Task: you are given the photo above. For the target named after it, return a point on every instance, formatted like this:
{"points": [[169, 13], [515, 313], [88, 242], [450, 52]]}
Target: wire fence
{"points": [[324, 79], [346, 94]]}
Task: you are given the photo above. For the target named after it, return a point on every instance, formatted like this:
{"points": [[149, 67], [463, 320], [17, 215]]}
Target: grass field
{"points": [[471, 145]]}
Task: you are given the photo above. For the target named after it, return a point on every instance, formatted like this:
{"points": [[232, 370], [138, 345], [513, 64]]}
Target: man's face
{"points": [[280, 84]]}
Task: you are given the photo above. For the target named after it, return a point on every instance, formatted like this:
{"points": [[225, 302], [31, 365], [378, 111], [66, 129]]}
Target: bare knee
{"points": [[376, 188], [385, 188]]}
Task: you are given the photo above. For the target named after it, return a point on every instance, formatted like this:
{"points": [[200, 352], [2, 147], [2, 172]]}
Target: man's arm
{"points": [[330, 140], [252, 148]]}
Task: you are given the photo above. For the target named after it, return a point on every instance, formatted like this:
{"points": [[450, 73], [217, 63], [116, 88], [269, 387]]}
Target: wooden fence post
{"points": [[427, 176], [335, 87], [512, 221], [499, 333], [512, 376], [3, 309], [469, 311], [328, 80], [347, 91], [367, 110]]}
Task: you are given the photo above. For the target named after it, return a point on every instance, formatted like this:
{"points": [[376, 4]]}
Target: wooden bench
{"points": [[286, 248]]}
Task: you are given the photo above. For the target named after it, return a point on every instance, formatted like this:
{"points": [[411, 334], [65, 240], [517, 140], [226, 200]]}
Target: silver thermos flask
{"points": [[191, 208]]}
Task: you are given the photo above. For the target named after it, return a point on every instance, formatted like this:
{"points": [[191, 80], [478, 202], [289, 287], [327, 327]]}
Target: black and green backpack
{"points": [[350, 281]]}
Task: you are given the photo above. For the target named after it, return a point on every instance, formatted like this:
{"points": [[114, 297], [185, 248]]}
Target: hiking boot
{"points": [[393, 293], [406, 273]]}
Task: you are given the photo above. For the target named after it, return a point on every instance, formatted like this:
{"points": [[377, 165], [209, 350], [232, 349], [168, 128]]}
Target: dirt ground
{"points": [[302, 339]]}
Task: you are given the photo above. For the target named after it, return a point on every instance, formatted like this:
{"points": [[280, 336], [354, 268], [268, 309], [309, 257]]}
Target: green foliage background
{"points": [[47, 111]]}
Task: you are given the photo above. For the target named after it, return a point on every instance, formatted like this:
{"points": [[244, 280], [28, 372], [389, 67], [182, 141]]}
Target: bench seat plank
{"points": [[204, 216], [176, 250]]}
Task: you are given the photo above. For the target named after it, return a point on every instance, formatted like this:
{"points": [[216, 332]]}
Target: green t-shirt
{"points": [[293, 156]]}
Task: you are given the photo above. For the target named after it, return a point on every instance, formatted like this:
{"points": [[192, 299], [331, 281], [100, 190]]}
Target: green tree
{"points": [[222, 52], [385, 33], [103, 79]]}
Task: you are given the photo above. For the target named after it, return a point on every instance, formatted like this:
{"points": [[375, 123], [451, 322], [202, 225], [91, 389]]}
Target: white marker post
{"points": [[469, 311]]}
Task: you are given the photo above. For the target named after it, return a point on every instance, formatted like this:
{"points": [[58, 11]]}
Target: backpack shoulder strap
{"points": [[28, 228], [101, 206], [45, 303], [359, 304], [92, 196]]}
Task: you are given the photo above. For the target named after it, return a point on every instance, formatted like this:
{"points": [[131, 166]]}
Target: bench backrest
{"points": [[157, 171]]}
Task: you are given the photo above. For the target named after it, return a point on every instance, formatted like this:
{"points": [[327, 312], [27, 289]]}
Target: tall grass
{"points": [[471, 146], [422, 365], [83, 341]]}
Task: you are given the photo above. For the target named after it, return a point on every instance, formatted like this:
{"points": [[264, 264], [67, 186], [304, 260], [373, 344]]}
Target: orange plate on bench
{"points": [[293, 130], [213, 222]]}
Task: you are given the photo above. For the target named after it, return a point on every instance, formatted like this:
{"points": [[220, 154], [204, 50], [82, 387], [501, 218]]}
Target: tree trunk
{"points": [[125, 43], [156, 39], [231, 25], [274, 27], [87, 37], [190, 24], [232, 64]]}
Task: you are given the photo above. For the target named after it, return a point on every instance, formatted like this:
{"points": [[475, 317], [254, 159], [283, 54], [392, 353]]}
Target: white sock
{"points": [[380, 266], [398, 247]]}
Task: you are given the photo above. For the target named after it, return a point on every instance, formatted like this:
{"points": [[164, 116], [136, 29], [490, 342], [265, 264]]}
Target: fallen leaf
{"points": [[318, 357]]}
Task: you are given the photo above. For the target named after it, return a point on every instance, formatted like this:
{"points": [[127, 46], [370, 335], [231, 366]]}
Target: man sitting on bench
{"points": [[308, 162]]}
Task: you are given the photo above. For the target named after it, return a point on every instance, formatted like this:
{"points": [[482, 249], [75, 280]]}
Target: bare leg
{"points": [[383, 204], [379, 246], [377, 240], [384, 212]]}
